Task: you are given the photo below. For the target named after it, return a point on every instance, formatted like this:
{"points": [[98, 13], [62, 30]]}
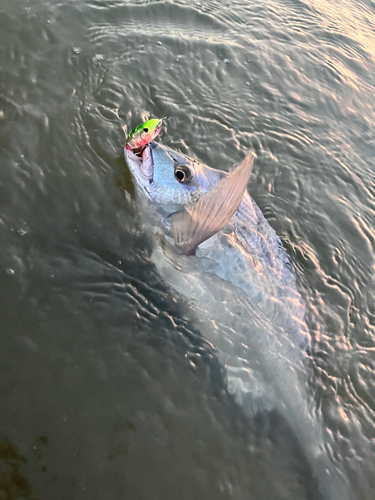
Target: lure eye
{"points": [[145, 130], [183, 174]]}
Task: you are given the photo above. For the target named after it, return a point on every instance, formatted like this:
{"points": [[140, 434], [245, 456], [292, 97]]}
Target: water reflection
{"points": [[92, 341]]}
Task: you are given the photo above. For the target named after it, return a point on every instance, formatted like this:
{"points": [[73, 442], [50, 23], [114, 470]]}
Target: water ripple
{"points": [[95, 349]]}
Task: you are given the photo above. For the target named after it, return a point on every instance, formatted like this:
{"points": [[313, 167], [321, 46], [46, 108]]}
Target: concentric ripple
{"points": [[108, 385]]}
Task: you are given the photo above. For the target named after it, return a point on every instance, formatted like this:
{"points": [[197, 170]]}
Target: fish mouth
{"points": [[141, 164]]}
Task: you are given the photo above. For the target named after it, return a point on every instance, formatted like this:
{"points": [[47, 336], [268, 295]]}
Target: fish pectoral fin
{"points": [[195, 224]]}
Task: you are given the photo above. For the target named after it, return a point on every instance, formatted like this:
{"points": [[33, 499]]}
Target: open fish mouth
{"points": [[141, 164]]}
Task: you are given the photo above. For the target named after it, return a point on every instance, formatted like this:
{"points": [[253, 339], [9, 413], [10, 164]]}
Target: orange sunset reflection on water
{"points": [[355, 20]]}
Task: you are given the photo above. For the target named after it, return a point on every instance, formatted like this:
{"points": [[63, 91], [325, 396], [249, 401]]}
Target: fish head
{"points": [[171, 180], [193, 200]]}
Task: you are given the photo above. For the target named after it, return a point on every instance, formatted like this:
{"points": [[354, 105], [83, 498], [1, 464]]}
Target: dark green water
{"points": [[107, 390]]}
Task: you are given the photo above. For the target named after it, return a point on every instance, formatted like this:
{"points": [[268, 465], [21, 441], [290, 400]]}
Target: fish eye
{"points": [[183, 174]]}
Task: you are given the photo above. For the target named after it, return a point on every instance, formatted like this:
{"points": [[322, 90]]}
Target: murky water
{"points": [[108, 389]]}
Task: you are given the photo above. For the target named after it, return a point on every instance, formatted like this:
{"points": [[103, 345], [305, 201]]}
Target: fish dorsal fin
{"points": [[198, 222]]}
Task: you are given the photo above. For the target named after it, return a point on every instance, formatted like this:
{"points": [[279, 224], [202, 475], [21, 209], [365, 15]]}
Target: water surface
{"points": [[108, 390]]}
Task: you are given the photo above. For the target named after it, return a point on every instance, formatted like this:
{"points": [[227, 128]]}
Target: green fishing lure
{"points": [[143, 134]]}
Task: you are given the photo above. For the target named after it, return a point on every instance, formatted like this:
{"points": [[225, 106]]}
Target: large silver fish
{"points": [[216, 250]]}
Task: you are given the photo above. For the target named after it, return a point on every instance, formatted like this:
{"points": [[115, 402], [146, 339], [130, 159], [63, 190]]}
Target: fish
{"points": [[143, 134], [217, 252]]}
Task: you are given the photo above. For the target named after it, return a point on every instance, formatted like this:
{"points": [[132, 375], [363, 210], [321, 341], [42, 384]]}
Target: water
{"points": [[108, 389]]}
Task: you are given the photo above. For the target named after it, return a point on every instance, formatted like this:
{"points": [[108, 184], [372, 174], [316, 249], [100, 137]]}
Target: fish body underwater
{"points": [[237, 278]]}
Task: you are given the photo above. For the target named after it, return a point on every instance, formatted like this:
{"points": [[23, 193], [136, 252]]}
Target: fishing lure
{"points": [[143, 135]]}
